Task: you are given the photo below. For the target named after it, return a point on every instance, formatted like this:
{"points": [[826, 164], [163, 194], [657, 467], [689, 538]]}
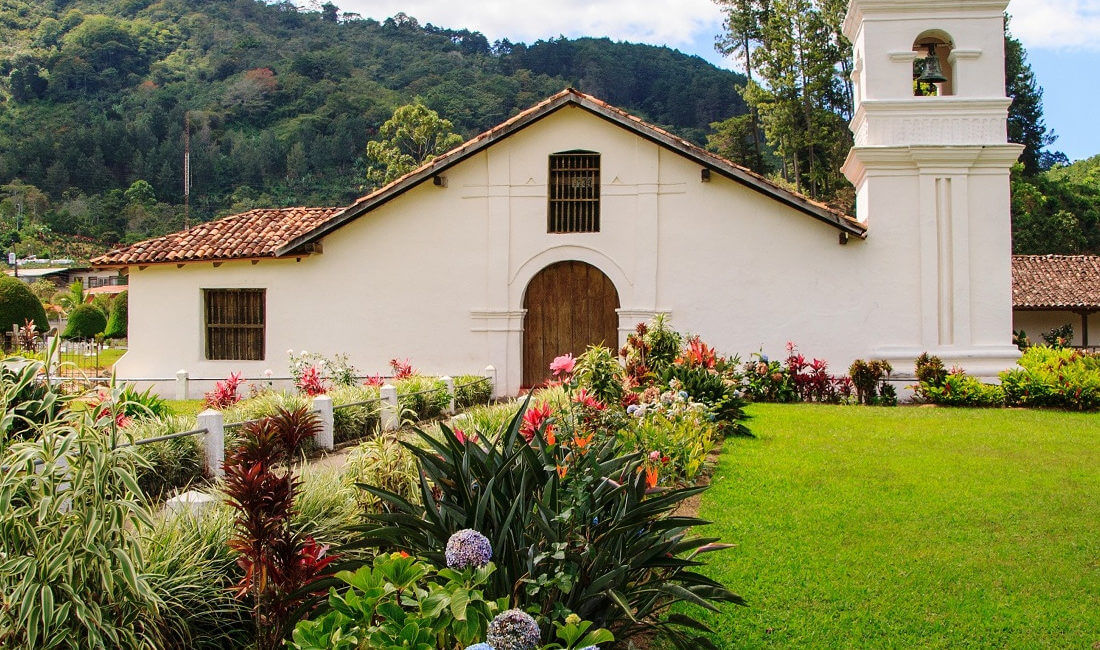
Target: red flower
{"points": [[533, 419], [585, 399], [462, 437]]}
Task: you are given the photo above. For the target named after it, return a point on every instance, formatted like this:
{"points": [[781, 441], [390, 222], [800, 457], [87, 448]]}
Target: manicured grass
{"points": [[907, 527], [185, 406]]}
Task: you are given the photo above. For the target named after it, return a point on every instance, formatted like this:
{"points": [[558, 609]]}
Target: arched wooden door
{"points": [[570, 305]]}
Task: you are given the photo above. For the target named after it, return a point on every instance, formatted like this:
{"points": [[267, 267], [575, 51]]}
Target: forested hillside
{"points": [[282, 101]]}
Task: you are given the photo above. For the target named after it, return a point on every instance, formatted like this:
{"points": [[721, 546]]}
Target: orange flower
{"points": [[550, 437], [582, 443], [651, 477], [403, 554], [562, 470]]}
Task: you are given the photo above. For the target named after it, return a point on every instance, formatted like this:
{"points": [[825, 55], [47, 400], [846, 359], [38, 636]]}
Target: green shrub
{"points": [[117, 322], [170, 464], [471, 390], [1054, 377], [598, 371], [85, 321], [71, 572], [401, 602], [27, 404], [355, 422], [1059, 337], [421, 398], [18, 305], [872, 382], [675, 439], [189, 561], [720, 395], [265, 404], [960, 389], [385, 463], [486, 421], [572, 532]]}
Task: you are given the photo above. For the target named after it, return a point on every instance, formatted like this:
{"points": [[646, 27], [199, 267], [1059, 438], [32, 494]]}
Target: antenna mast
{"points": [[186, 170]]}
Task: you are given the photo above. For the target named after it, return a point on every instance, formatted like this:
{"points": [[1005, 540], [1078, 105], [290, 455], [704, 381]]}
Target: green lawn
{"points": [[905, 527]]}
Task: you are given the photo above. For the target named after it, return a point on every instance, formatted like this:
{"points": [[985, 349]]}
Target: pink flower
{"points": [[563, 364], [655, 456]]}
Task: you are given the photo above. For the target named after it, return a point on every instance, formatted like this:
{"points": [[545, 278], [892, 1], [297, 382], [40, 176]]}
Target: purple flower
{"points": [[513, 629], [479, 646], [468, 548]]}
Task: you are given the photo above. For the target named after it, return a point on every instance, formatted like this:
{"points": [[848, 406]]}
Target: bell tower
{"points": [[931, 168]]}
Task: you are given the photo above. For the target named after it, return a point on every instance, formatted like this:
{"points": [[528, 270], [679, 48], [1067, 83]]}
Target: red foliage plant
{"points": [[225, 393], [260, 486], [698, 355], [402, 369], [312, 382]]}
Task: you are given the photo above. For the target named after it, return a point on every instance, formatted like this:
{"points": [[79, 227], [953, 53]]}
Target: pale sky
{"points": [[1062, 38]]}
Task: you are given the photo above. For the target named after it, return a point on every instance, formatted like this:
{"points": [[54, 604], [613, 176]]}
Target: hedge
{"points": [[18, 304], [116, 323], [84, 323]]}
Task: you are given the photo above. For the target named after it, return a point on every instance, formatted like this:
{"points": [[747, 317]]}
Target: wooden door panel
{"points": [[570, 305]]}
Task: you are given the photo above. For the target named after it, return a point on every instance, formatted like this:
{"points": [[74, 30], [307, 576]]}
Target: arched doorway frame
{"points": [[521, 279]]}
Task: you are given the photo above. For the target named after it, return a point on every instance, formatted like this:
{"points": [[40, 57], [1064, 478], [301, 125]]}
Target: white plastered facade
{"points": [[438, 274]]}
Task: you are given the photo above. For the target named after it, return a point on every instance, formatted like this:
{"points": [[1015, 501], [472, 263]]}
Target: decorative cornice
{"points": [[497, 320], [858, 10], [949, 159]]}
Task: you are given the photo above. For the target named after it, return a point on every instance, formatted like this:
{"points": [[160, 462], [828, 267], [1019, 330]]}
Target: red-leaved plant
{"points": [[402, 369], [260, 486], [312, 382], [225, 394]]}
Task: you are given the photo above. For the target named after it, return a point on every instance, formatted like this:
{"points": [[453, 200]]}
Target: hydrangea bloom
{"points": [[513, 629], [481, 646], [468, 548]]}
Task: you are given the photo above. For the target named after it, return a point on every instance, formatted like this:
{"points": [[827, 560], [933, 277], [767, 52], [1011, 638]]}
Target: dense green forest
{"points": [[282, 102]]}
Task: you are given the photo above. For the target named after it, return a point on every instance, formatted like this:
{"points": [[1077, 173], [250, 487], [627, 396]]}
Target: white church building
{"points": [[573, 221]]}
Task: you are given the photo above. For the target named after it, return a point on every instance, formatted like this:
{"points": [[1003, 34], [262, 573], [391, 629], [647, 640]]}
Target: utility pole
{"points": [[186, 170]]}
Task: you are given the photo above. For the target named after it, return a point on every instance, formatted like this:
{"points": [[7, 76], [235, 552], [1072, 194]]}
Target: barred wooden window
{"points": [[235, 324], [574, 192]]}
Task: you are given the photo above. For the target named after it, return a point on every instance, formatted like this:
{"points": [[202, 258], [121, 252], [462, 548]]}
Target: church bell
{"points": [[932, 74]]}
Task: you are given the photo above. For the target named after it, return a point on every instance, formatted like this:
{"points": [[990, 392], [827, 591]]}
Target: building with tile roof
{"points": [[1049, 291], [571, 222]]}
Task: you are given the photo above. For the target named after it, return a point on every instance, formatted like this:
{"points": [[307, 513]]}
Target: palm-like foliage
{"points": [[573, 528], [71, 299]]}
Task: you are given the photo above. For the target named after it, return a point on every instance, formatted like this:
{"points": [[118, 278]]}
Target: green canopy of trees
{"points": [[282, 102]]}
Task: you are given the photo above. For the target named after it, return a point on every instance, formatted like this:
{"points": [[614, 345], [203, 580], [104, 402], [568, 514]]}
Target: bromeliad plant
{"points": [[574, 526], [260, 486], [226, 393]]}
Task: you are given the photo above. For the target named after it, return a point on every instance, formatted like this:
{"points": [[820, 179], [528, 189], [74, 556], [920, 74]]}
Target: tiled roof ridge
{"points": [[1056, 282], [254, 233]]}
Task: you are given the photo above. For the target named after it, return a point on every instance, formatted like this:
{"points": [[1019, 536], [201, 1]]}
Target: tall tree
{"points": [[743, 34], [1026, 125], [414, 135]]}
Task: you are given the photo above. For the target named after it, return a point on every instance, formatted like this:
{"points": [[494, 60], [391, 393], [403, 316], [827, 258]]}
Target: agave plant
{"points": [[573, 525]]}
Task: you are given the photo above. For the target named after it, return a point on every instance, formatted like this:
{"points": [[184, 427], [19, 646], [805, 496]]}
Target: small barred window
{"points": [[574, 192]]}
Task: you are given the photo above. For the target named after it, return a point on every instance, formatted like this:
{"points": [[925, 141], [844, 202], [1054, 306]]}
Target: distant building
{"points": [[1049, 291]]}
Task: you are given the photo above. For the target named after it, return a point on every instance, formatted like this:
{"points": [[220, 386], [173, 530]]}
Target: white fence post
{"points": [[450, 384], [491, 373], [390, 417], [327, 435], [214, 440], [183, 391]]}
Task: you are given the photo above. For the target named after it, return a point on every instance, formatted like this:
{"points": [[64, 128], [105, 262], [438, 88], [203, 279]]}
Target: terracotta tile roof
{"points": [[1061, 282], [249, 235]]}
